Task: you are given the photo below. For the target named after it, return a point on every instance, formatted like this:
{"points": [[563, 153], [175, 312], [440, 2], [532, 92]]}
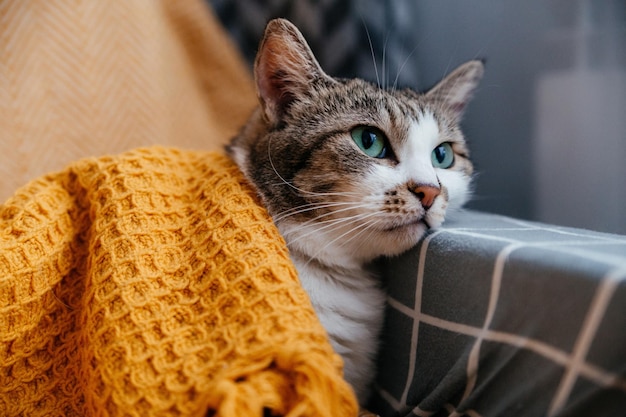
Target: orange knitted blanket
{"points": [[152, 283]]}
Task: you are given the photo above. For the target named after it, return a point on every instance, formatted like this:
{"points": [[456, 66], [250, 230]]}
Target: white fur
{"points": [[415, 163], [350, 306]]}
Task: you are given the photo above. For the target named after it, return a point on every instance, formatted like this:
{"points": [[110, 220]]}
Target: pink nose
{"points": [[426, 194]]}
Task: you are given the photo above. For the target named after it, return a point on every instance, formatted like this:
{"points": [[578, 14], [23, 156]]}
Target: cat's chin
{"points": [[399, 238], [399, 228]]}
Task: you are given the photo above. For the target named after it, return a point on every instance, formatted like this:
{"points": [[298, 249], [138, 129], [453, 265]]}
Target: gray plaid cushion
{"points": [[493, 316]]}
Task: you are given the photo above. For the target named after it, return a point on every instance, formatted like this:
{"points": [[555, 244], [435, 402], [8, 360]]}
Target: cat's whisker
{"points": [[383, 75], [334, 222], [366, 239], [368, 226], [309, 207], [369, 39], [269, 157], [342, 236], [284, 181], [449, 65], [406, 61], [362, 203], [329, 224], [316, 194], [312, 206], [354, 206]]}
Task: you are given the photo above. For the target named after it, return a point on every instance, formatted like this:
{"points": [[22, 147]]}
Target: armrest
{"points": [[494, 316]]}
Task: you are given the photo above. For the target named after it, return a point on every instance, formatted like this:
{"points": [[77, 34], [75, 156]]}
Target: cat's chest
{"points": [[348, 302]]}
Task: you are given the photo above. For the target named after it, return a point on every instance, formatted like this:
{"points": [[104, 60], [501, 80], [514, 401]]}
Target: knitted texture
{"points": [[152, 283]]}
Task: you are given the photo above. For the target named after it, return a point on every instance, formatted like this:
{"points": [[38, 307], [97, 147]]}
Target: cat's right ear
{"points": [[284, 68]]}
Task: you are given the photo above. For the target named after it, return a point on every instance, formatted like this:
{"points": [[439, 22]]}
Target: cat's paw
{"points": [[437, 214]]}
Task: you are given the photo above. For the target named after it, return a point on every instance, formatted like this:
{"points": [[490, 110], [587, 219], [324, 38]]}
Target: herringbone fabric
{"points": [[90, 77]]}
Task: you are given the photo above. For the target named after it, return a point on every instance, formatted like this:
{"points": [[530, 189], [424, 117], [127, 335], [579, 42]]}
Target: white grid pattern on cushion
{"points": [[492, 316]]}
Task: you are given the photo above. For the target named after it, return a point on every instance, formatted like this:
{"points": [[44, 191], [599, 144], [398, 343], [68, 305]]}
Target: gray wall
{"points": [[548, 125]]}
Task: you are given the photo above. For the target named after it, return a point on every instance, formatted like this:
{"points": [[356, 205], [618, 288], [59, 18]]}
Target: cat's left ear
{"points": [[284, 69], [456, 90]]}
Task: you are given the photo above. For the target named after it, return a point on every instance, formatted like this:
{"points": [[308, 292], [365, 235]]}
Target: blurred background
{"points": [[547, 128]]}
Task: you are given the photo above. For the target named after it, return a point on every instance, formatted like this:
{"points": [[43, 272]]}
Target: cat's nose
{"points": [[426, 194]]}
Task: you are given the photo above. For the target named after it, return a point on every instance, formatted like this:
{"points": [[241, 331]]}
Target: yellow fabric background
{"points": [[90, 77]]}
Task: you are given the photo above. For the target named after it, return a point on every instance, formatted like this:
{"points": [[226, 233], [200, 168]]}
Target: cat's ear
{"points": [[456, 90], [284, 68]]}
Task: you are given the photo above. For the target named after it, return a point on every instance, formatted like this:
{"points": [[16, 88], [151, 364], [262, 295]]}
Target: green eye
{"points": [[370, 140], [443, 156]]}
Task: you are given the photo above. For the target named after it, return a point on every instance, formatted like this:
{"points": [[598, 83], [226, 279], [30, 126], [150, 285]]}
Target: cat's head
{"points": [[347, 169]]}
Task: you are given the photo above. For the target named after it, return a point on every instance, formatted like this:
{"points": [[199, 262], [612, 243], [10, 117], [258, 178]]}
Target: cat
{"points": [[351, 172]]}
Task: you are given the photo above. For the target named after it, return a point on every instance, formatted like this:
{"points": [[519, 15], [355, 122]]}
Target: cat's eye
{"points": [[370, 140], [442, 156]]}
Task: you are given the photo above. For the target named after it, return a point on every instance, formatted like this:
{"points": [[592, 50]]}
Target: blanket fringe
{"points": [[294, 383]]}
